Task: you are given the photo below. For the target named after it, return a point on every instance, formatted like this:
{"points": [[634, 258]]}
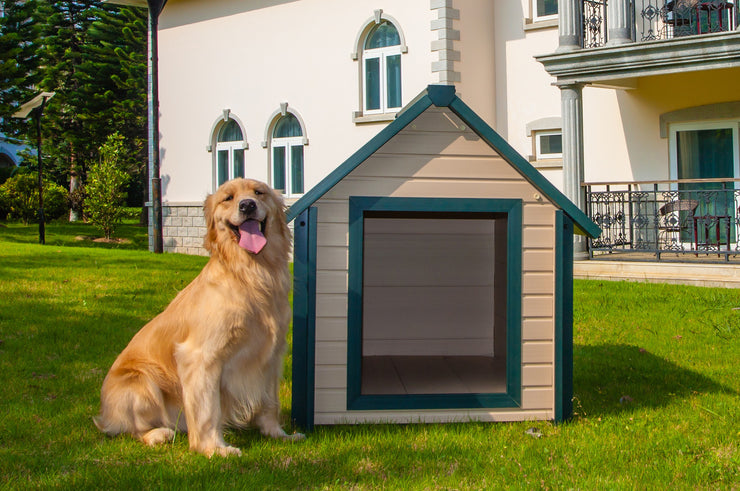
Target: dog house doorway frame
{"points": [[359, 208]]}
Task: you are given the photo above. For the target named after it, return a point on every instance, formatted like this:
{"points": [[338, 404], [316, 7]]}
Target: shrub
{"points": [[19, 199], [105, 192]]}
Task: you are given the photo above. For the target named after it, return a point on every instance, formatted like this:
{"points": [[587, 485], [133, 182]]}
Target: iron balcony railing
{"points": [[662, 19], [697, 219]]}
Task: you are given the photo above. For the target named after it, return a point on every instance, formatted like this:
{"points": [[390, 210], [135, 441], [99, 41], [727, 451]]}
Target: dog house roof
{"points": [[445, 96]]}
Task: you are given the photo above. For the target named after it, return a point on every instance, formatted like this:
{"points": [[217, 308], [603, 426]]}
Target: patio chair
{"points": [[675, 217]]}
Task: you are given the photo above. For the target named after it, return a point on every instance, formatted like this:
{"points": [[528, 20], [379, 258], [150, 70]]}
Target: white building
{"points": [[644, 93]]}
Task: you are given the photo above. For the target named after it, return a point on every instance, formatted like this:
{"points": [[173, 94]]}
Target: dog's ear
{"points": [[210, 237]]}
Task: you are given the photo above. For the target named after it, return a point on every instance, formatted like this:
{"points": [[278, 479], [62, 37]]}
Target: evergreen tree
{"points": [[93, 56], [119, 43], [19, 27]]}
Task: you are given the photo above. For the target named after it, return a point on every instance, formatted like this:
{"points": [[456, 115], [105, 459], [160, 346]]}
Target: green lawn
{"points": [[657, 384]]}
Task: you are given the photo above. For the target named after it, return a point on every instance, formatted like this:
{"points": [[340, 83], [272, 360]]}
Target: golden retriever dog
{"points": [[214, 357]]}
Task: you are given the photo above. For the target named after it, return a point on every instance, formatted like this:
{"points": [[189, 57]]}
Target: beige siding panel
{"points": [[332, 258], [537, 352], [537, 375], [542, 260], [466, 189], [331, 305], [535, 237], [437, 188], [436, 120], [331, 329], [330, 400], [332, 211], [331, 353], [420, 416], [538, 329], [436, 167], [332, 235], [436, 143], [538, 398], [538, 306], [331, 282], [537, 283], [331, 377], [428, 321], [542, 213]]}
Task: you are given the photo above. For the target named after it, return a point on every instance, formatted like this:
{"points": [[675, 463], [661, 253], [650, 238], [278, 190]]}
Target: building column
{"points": [[571, 101], [570, 25], [619, 20]]}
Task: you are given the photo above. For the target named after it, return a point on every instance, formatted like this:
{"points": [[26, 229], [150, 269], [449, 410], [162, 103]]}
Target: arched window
{"points": [[287, 155], [229, 152], [381, 69]]}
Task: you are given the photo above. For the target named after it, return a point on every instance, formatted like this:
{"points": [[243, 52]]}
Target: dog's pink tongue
{"points": [[251, 237]]}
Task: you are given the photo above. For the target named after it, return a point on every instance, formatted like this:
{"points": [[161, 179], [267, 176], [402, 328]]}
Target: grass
{"points": [[656, 392]]}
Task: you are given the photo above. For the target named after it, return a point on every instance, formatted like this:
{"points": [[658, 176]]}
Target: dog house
{"points": [[433, 279]]}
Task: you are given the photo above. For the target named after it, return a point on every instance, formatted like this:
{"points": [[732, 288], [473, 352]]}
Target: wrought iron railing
{"points": [[700, 218], [662, 19]]}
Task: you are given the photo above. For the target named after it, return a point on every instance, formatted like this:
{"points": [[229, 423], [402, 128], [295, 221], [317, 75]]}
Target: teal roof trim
{"points": [[507, 152], [444, 96], [406, 116]]}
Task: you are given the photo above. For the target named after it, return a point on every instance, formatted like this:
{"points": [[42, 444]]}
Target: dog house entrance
{"points": [[434, 303]]}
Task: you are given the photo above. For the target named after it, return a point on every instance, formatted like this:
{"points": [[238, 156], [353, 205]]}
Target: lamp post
{"points": [[35, 108], [155, 185]]}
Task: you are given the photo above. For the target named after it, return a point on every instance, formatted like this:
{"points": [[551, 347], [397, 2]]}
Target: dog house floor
{"points": [[432, 375]]}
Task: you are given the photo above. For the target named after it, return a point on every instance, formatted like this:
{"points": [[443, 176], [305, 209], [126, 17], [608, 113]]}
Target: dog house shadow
{"points": [[433, 279], [640, 379]]}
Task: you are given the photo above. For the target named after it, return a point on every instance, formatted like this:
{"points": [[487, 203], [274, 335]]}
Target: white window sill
{"points": [[530, 25], [546, 163], [359, 118]]}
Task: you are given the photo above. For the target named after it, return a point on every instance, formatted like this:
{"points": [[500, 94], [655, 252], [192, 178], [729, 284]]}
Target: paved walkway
{"points": [[717, 275]]}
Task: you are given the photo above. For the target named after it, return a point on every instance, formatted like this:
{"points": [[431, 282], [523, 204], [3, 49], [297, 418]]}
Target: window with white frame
{"points": [[286, 147], [381, 69], [229, 152], [548, 144], [544, 10]]}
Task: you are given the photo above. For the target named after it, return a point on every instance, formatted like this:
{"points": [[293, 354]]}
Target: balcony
{"points": [[649, 37], [680, 220], [661, 19]]}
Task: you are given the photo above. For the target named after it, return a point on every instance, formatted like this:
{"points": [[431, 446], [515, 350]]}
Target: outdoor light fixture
{"points": [[35, 108]]}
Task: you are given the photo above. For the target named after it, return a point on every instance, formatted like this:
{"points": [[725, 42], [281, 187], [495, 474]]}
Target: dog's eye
{"points": [[258, 192], [229, 198]]}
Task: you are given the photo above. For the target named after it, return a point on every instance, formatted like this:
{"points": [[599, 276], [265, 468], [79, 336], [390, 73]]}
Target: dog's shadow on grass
{"points": [[612, 378]]}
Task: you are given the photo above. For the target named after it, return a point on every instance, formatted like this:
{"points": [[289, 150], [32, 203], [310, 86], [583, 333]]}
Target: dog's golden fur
{"points": [[214, 356]]}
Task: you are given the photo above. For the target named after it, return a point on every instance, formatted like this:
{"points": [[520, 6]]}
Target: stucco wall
{"points": [[249, 58]]}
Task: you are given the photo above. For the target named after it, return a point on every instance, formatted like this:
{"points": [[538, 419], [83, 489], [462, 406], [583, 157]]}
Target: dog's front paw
{"points": [[224, 452]]}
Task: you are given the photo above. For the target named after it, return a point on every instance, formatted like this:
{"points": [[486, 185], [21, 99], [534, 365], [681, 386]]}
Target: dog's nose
{"points": [[247, 206]]}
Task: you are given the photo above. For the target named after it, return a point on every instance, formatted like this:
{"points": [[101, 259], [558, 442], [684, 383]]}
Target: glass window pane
{"points": [[278, 168], [222, 167], [230, 132], [287, 126], [382, 35], [238, 162], [372, 84], [393, 80], [550, 144], [296, 169], [547, 7], [704, 154]]}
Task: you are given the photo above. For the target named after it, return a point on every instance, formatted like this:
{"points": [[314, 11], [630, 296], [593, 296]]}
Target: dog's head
{"points": [[246, 215]]}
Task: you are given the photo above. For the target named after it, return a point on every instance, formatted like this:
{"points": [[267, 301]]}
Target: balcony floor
{"points": [[690, 271]]}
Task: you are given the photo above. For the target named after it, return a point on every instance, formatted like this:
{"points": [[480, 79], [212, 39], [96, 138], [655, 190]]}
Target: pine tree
{"points": [[93, 57], [19, 26], [119, 42]]}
